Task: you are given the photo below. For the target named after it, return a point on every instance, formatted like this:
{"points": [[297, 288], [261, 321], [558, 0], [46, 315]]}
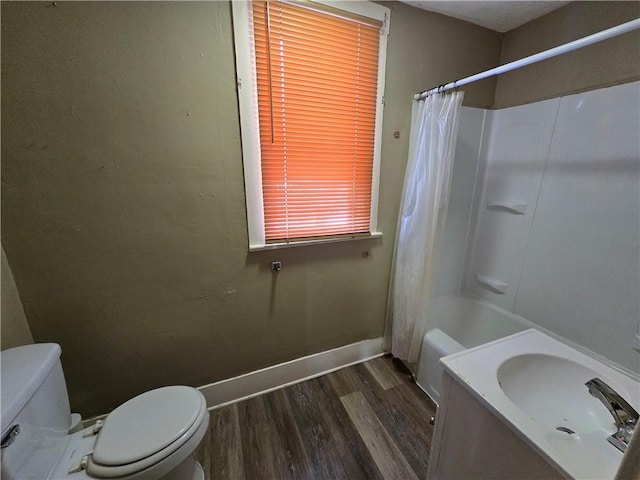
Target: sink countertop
{"points": [[584, 454]]}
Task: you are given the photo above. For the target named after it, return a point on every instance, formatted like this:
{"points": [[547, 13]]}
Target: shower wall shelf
{"points": [[492, 284], [517, 208]]}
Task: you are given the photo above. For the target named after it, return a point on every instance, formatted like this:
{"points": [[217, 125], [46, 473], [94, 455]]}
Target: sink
{"points": [[535, 386], [552, 390]]}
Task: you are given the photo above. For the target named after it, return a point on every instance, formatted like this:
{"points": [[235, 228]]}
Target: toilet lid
{"points": [[146, 424]]}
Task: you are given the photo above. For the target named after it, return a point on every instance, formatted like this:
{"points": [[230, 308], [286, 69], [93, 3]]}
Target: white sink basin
{"points": [[552, 390], [536, 384]]}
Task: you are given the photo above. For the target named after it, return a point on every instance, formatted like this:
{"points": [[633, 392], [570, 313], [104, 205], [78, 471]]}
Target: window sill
{"points": [[301, 243]]}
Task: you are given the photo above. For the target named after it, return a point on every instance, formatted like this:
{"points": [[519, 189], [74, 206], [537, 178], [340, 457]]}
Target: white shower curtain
{"points": [[434, 129]]}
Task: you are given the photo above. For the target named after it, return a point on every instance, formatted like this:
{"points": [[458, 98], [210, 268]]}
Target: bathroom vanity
{"points": [[519, 408]]}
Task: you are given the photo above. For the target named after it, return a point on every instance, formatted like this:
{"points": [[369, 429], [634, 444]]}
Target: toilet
{"points": [[150, 437]]}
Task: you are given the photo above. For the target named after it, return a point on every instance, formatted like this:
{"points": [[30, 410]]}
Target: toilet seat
{"points": [[146, 430]]}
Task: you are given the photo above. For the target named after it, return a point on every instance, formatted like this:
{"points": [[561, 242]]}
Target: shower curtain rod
{"points": [[552, 52]]}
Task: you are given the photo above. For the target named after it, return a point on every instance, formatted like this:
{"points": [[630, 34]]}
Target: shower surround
{"points": [[546, 196]]}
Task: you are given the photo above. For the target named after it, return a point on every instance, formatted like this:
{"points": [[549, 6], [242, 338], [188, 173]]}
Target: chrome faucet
{"points": [[624, 414]]}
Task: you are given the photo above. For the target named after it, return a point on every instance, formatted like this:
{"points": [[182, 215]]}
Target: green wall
{"points": [[14, 328], [604, 64], [123, 214]]}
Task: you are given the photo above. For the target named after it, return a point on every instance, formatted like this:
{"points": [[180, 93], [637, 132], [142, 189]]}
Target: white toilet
{"points": [[152, 436]]}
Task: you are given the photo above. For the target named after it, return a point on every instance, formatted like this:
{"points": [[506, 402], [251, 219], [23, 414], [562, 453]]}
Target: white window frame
{"points": [[250, 125]]}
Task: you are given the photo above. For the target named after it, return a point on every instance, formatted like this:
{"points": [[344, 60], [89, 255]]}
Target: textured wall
{"points": [[14, 327], [123, 204], [607, 63]]}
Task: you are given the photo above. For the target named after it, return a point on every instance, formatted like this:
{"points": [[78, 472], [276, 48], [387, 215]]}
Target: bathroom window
{"points": [[310, 83]]}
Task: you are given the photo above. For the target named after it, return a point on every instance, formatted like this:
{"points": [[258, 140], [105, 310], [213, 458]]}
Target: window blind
{"points": [[317, 76]]}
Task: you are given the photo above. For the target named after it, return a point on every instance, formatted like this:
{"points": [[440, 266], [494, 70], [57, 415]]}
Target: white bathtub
{"points": [[456, 323]]}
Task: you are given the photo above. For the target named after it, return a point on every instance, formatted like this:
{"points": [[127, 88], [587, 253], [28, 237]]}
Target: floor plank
{"points": [[367, 421], [356, 378], [343, 381], [284, 426], [331, 441], [407, 421], [260, 449], [226, 460], [384, 450], [384, 373]]}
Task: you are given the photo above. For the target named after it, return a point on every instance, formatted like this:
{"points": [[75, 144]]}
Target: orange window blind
{"points": [[317, 76]]}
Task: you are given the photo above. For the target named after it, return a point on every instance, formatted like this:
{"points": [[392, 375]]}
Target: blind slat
{"points": [[317, 92]]}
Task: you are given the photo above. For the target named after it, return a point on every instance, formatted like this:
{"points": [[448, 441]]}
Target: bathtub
{"points": [[455, 323]]}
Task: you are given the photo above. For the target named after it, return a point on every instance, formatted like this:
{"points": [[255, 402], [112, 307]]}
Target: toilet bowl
{"points": [[149, 437]]}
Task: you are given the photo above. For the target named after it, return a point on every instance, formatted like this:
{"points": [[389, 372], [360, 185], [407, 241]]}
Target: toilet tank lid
{"points": [[22, 371]]}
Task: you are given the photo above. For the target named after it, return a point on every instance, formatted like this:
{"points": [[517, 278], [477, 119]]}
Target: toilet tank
{"points": [[35, 399]]}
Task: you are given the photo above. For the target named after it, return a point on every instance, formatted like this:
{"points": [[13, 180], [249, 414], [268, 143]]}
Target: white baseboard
{"points": [[272, 378]]}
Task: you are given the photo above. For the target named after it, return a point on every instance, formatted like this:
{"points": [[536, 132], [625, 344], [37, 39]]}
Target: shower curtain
{"points": [[434, 129]]}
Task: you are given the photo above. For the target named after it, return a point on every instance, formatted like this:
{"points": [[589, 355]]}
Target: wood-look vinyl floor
{"points": [[368, 421]]}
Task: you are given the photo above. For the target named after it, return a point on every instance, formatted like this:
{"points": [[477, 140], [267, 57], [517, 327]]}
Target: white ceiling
{"points": [[501, 16]]}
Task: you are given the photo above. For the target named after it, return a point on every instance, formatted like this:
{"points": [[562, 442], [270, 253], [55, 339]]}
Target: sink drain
{"points": [[565, 430]]}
